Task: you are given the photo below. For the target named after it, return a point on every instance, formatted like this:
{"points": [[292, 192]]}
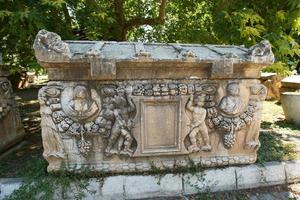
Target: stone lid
{"points": [[291, 81], [110, 60]]}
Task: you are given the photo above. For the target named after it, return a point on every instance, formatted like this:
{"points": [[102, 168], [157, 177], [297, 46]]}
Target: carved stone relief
{"points": [[5, 97], [234, 112], [258, 94], [175, 89], [142, 119], [48, 42], [80, 112], [11, 128], [197, 125]]}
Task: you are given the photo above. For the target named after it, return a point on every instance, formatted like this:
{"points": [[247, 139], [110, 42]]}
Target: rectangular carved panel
{"points": [[160, 126]]}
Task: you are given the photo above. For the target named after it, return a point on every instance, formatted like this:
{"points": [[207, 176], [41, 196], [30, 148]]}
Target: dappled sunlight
{"points": [[272, 112], [280, 139]]}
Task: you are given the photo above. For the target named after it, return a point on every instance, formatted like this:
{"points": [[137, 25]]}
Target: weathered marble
{"points": [[120, 107], [11, 128]]}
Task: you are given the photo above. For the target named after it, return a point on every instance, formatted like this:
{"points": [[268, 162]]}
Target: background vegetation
{"points": [[190, 21]]}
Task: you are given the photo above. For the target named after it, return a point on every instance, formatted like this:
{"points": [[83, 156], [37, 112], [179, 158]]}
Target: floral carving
{"points": [[172, 89]]}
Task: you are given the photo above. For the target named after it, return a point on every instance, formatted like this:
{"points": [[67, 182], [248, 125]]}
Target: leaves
{"points": [[281, 15], [54, 3], [279, 68], [202, 21]]}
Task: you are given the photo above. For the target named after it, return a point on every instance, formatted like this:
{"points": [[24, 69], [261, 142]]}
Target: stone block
{"points": [[171, 185], [153, 186], [141, 187], [255, 176], [292, 170], [113, 187], [274, 173], [210, 181]]}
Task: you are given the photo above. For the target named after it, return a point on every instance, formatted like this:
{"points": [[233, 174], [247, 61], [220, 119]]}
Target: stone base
{"points": [[171, 185], [177, 163]]}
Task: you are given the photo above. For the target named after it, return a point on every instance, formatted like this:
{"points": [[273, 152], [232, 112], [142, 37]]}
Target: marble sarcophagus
{"points": [[129, 106]]}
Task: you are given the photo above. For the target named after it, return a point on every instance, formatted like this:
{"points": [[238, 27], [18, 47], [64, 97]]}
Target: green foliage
{"points": [[20, 20], [186, 22], [279, 68], [192, 21], [248, 22]]}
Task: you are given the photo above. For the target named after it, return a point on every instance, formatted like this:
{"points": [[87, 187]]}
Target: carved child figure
{"points": [[123, 107], [198, 126]]}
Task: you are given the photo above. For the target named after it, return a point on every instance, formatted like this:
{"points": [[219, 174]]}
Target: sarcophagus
{"points": [[129, 106], [11, 128]]}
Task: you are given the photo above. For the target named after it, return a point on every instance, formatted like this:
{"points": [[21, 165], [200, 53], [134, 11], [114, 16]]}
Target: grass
{"points": [[274, 149], [275, 143], [273, 119]]}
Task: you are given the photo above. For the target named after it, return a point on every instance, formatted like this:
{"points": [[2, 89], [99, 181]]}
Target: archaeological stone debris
{"points": [[131, 106], [11, 128]]}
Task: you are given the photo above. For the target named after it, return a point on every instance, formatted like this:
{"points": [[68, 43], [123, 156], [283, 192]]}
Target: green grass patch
{"points": [[274, 149], [274, 119]]}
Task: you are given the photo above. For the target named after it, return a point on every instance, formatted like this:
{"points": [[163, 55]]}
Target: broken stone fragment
{"points": [[49, 46]]}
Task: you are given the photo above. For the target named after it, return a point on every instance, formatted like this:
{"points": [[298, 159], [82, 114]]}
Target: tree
{"points": [[74, 19], [20, 20], [190, 21], [248, 22], [240, 22], [114, 19]]}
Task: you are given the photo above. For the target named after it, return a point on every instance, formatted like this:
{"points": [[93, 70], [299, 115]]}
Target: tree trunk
{"points": [[125, 26]]}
